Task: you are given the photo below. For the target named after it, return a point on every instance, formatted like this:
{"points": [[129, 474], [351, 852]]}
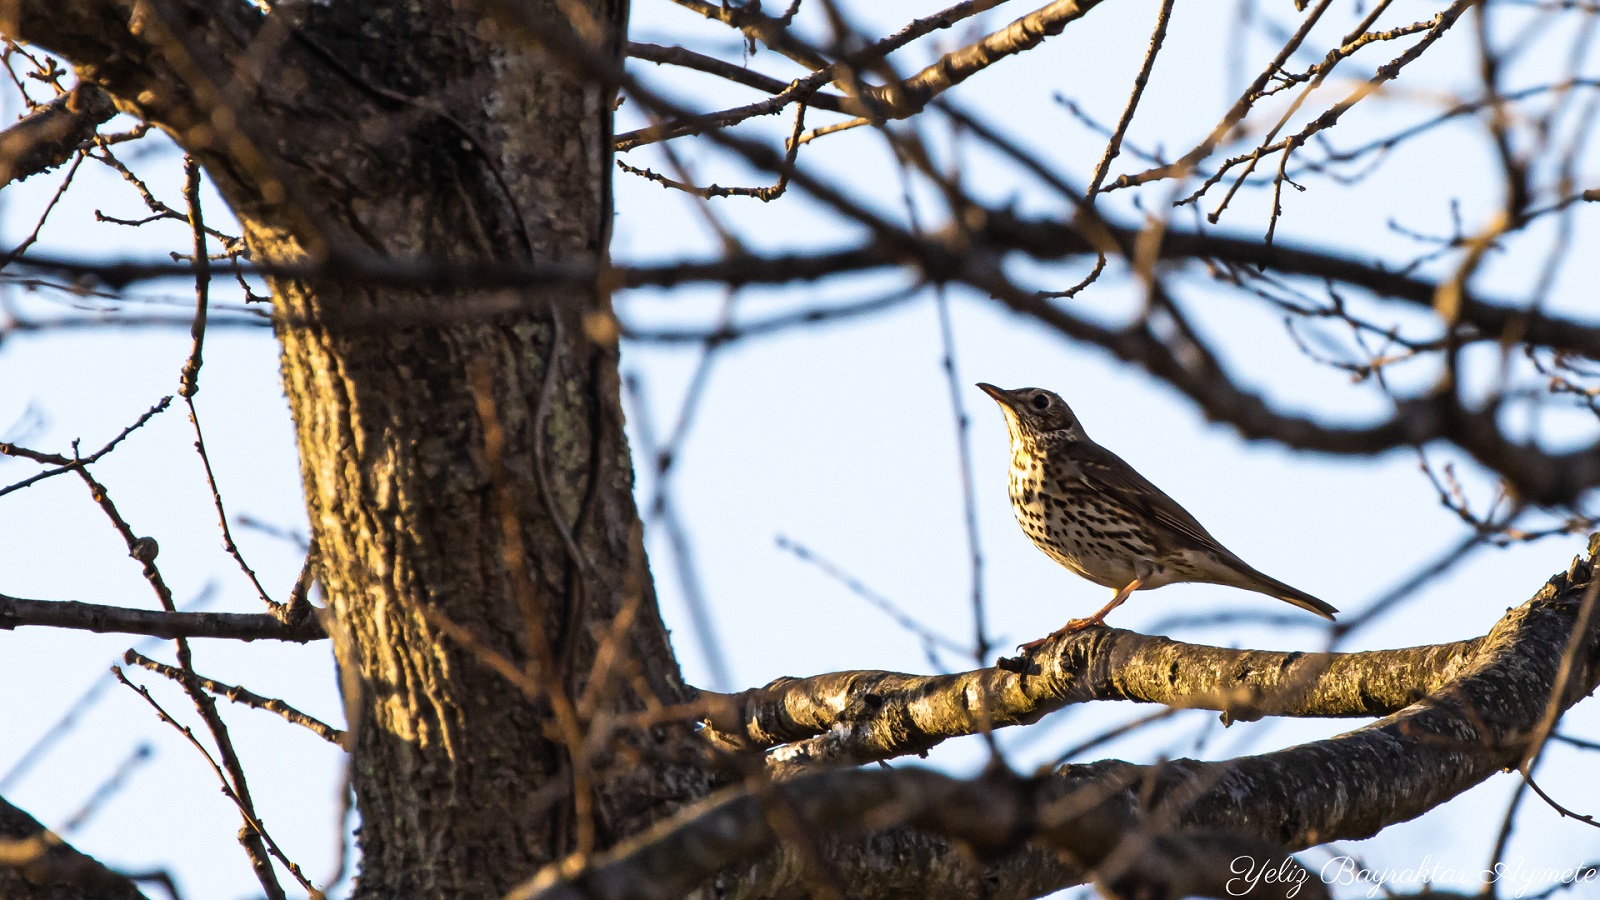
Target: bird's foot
{"points": [[1098, 620], [1029, 647], [1022, 663], [1072, 627]]}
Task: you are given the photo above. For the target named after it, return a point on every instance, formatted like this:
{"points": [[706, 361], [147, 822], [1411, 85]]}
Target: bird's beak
{"points": [[1000, 396]]}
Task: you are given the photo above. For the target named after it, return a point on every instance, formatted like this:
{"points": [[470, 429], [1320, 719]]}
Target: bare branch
{"points": [[1114, 142], [16, 612], [242, 696], [897, 100], [993, 815], [35, 863], [910, 96], [680, 56], [1540, 477], [51, 134], [227, 773], [858, 717], [1042, 239], [1111, 816]]}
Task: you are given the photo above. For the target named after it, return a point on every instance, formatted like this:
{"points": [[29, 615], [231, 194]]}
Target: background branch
{"points": [[33, 859], [48, 136]]}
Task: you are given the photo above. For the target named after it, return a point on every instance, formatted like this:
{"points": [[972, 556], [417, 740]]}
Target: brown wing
{"points": [[1108, 474]]}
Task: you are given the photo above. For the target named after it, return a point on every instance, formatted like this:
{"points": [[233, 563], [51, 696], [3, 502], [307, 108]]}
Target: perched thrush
{"points": [[1091, 512]]}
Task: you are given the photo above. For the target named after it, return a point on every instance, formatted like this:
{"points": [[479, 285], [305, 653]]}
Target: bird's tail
{"points": [[1272, 587]]}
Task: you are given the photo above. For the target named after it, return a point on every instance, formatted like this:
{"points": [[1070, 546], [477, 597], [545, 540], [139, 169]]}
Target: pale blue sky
{"points": [[838, 437]]}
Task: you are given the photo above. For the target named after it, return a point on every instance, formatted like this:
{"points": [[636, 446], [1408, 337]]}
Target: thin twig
{"points": [[244, 697], [227, 786], [109, 788], [1114, 145], [65, 464]]}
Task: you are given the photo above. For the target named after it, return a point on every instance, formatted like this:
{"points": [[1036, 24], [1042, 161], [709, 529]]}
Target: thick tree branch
{"points": [[117, 48], [16, 612], [48, 136], [1042, 239], [35, 864], [1047, 239], [859, 717], [993, 816], [1110, 817], [1538, 476]]}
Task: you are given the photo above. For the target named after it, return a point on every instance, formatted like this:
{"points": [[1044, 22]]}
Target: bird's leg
{"points": [[1098, 620]]}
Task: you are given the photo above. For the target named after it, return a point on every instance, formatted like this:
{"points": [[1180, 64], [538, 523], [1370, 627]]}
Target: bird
{"points": [[1096, 515]]}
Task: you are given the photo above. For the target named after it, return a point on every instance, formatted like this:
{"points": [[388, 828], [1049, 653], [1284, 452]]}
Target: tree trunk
{"points": [[471, 467], [466, 474], [511, 693]]}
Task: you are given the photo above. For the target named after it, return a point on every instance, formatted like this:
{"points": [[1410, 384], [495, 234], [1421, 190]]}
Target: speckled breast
{"points": [[1078, 528]]}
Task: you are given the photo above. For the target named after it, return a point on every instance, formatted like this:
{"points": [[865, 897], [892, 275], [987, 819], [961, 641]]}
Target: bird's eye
{"points": [[1041, 401]]}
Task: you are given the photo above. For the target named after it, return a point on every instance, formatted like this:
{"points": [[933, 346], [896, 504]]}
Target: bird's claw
{"points": [[1077, 625], [1072, 627]]}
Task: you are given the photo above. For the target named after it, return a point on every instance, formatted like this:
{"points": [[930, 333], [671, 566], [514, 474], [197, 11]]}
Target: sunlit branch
{"points": [[16, 612], [864, 716], [1476, 720]]}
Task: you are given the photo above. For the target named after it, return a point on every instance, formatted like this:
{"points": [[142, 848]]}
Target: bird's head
{"points": [[1033, 414]]}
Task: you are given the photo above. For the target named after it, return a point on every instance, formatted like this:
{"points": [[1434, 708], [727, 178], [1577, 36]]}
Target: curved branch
{"points": [[1122, 821], [1539, 477], [1048, 240], [1536, 476], [993, 816], [859, 717]]}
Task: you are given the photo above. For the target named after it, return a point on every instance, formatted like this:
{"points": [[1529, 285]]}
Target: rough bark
{"points": [[863, 716], [466, 476], [983, 824], [1110, 817], [48, 136], [470, 492]]}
